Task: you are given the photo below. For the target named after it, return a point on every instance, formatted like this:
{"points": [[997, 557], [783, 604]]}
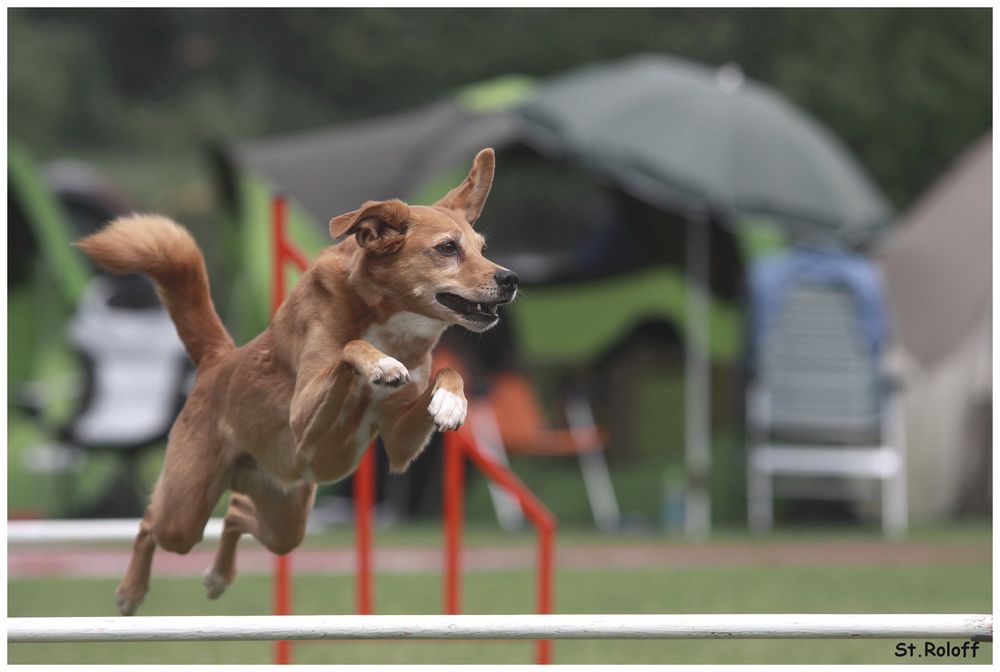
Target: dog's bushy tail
{"points": [[166, 252]]}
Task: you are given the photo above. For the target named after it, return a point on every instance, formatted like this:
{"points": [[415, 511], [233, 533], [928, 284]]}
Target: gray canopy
{"points": [[679, 135], [334, 170], [708, 142]]}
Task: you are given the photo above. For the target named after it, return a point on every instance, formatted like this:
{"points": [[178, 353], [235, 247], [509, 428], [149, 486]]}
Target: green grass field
{"points": [[958, 588]]}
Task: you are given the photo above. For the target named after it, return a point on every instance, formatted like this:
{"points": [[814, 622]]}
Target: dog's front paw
{"points": [[390, 372], [447, 409]]}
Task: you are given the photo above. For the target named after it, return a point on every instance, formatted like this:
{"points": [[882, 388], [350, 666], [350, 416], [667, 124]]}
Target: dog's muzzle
{"points": [[479, 311], [473, 311]]}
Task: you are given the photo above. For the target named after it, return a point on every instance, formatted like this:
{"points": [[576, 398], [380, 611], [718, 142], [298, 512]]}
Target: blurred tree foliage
{"points": [[907, 89]]}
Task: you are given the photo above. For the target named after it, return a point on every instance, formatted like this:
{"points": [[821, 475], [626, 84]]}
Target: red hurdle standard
{"points": [[457, 445], [462, 444]]}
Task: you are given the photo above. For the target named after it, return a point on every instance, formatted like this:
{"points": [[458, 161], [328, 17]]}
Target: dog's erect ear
{"points": [[470, 196], [378, 226]]}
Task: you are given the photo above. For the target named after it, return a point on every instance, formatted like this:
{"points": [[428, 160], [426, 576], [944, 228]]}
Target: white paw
{"points": [[447, 409], [389, 371], [215, 584], [126, 606]]}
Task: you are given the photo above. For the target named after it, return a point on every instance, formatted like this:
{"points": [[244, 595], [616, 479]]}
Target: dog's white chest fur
{"points": [[401, 329], [399, 333]]}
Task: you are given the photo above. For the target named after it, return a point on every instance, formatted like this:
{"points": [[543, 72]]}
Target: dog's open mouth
{"points": [[482, 311]]}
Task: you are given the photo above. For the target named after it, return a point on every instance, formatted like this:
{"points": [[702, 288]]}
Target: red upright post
{"points": [[364, 498], [277, 248], [543, 652], [454, 498], [282, 606], [282, 583]]}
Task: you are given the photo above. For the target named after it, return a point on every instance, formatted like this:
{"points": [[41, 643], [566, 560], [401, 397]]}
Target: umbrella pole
{"points": [[697, 393]]}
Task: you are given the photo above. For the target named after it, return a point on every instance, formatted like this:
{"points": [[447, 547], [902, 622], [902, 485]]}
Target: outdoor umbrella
{"points": [[706, 142], [715, 147]]}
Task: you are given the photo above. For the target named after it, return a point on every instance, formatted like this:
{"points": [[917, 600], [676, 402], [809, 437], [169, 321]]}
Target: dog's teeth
{"points": [[479, 306]]}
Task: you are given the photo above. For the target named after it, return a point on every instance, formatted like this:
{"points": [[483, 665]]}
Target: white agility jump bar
{"points": [[79, 531], [527, 626]]}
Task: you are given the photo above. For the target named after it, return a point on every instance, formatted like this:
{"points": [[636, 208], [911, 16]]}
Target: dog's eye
{"points": [[448, 249]]}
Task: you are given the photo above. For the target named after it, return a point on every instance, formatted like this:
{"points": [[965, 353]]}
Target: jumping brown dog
{"points": [[346, 357]]}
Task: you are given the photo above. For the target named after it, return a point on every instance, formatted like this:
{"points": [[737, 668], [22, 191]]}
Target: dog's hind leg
{"points": [[195, 471], [241, 518], [135, 585], [172, 522], [282, 515], [275, 516]]}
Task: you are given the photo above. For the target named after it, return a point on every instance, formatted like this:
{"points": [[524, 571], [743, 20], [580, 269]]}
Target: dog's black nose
{"points": [[506, 279]]}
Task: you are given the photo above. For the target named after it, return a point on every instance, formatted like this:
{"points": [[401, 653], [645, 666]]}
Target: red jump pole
{"points": [[282, 606], [462, 443], [543, 650], [282, 563], [454, 498], [364, 498], [277, 249]]}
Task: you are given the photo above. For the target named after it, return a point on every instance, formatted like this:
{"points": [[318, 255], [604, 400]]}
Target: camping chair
{"points": [[509, 421], [819, 404], [135, 377]]}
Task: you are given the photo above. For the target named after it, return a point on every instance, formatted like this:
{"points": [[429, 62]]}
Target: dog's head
{"points": [[428, 259]]}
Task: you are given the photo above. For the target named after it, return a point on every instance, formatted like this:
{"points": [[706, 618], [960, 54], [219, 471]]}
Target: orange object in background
{"points": [[523, 428], [508, 420]]}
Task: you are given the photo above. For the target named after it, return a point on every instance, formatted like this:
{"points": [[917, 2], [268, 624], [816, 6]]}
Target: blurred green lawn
{"points": [[944, 588]]}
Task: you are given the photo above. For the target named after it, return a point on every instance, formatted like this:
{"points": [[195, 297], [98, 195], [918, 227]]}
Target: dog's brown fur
{"points": [[347, 356]]}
